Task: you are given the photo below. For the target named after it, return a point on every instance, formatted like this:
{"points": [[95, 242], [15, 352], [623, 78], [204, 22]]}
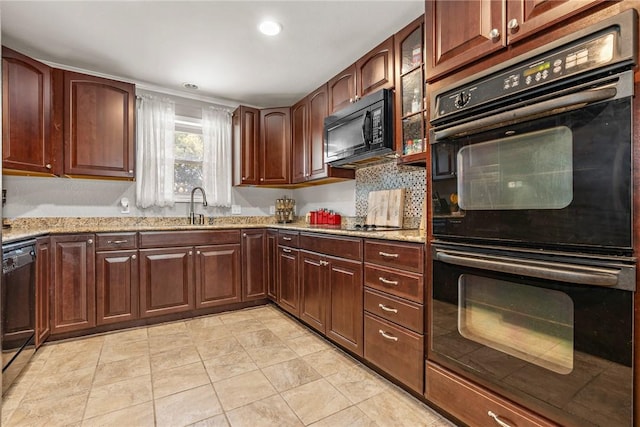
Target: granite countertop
{"points": [[24, 231]]}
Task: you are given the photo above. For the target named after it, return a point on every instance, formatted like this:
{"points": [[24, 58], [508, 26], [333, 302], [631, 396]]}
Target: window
{"points": [[189, 154]]}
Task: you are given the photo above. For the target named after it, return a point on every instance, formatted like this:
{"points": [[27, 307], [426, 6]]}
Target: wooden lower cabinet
{"points": [[117, 286], [74, 289], [313, 298], [166, 281], [473, 405], [272, 264], [43, 283], [395, 350], [288, 288], [254, 262], [217, 275]]}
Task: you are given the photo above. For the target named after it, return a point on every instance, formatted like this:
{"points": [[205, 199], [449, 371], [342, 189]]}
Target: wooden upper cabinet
{"points": [[246, 142], [99, 135], [461, 32], [299, 141], [342, 89], [275, 146], [307, 137], [375, 70], [27, 145]]}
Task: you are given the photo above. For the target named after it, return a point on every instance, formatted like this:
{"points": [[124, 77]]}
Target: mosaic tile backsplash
{"points": [[388, 176]]}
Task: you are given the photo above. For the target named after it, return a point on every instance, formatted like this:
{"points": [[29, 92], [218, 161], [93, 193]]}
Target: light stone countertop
{"points": [[23, 231]]}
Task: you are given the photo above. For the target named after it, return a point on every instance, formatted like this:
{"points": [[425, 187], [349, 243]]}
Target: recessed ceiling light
{"points": [[270, 28], [191, 86]]}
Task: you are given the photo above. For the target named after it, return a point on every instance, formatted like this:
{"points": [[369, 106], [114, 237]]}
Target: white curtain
{"points": [[155, 158], [216, 165]]}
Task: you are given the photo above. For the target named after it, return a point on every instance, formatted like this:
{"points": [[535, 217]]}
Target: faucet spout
{"points": [[192, 214]]}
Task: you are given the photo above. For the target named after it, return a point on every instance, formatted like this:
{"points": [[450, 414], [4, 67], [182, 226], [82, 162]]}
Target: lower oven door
{"points": [[533, 331]]}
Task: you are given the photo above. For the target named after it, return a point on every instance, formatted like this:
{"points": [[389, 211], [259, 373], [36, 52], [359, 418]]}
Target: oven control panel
{"points": [[594, 52]]}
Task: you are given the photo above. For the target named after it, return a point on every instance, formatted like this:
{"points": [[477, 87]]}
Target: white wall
{"points": [[72, 197]]}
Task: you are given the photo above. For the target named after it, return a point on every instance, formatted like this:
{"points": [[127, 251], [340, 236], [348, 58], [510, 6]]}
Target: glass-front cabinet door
{"points": [[410, 106]]}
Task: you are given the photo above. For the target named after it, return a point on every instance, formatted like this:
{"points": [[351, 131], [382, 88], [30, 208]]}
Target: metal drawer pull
{"points": [[117, 242], [288, 239], [388, 282], [287, 251], [388, 254], [498, 420], [385, 308], [387, 336]]}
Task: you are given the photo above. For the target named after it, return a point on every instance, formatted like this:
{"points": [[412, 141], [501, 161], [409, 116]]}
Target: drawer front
{"points": [[395, 310], [343, 247], [473, 405], [405, 256], [403, 285], [289, 238], [158, 239], [396, 350], [115, 241]]}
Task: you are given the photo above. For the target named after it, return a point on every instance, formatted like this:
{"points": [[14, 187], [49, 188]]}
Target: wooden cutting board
{"points": [[386, 207]]}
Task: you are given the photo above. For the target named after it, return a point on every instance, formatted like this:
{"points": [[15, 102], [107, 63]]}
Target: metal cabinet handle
{"points": [[498, 420], [190, 253], [387, 336], [351, 100], [388, 282], [130, 170], [244, 234], [287, 251], [385, 308], [288, 239], [48, 166], [198, 252], [134, 257], [494, 35], [116, 242], [388, 255], [513, 25], [90, 242], [324, 263]]}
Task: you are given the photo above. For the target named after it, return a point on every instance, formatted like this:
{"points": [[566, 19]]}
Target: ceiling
{"points": [[215, 44]]}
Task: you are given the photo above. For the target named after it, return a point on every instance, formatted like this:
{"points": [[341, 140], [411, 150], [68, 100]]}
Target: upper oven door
{"points": [[556, 174]]}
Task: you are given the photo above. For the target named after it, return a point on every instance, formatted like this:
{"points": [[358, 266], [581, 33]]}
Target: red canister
{"points": [[314, 217]]}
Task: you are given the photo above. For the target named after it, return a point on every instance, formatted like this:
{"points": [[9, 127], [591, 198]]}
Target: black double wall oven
{"points": [[533, 267]]}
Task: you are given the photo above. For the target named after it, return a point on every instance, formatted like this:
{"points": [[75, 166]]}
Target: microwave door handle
{"points": [[365, 132], [556, 271], [567, 102]]}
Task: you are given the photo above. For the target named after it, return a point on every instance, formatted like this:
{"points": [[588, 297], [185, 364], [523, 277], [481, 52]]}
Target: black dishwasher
{"points": [[18, 308]]}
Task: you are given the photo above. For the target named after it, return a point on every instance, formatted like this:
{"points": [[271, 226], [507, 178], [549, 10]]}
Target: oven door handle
{"points": [[551, 106], [556, 271]]}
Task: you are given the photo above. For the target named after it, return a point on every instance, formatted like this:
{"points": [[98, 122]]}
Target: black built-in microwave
{"points": [[361, 132]]}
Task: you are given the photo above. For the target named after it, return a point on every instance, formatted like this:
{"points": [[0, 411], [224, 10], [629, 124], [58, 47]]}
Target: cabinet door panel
{"points": [[166, 281], [345, 304], [99, 123], [272, 264], [117, 286], [74, 293], [288, 288], [342, 89], [450, 44], [312, 290], [275, 138], [217, 275], [246, 140], [26, 89], [43, 288], [299, 142], [318, 111], [375, 70], [254, 262]]}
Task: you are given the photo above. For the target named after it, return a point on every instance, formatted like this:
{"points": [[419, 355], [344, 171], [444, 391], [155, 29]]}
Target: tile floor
{"points": [[254, 367]]}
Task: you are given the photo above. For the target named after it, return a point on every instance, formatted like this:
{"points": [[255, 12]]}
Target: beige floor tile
{"points": [[170, 381], [56, 411], [72, 361], [167, 329], [82, 345], [316, 400], [63, 384], [390, 411], [187, 407], [112, 397], [243, 389], [357, 384], [285, 329], [245, 326], [267, 356], [350, 417], [229, 365], [290, 374], [139, 416], [329, 362], [307, 344], [160, 343], [260, 338], [210, 333], [204, 322], [174, 358], [218, 347], [119, 351], [265, 312], [112, 372], [129, 335], [217, 421], [236, 316], [270, 412]]}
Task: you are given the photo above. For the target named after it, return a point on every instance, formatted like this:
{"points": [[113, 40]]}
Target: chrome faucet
{"points": [[192, 213]]}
